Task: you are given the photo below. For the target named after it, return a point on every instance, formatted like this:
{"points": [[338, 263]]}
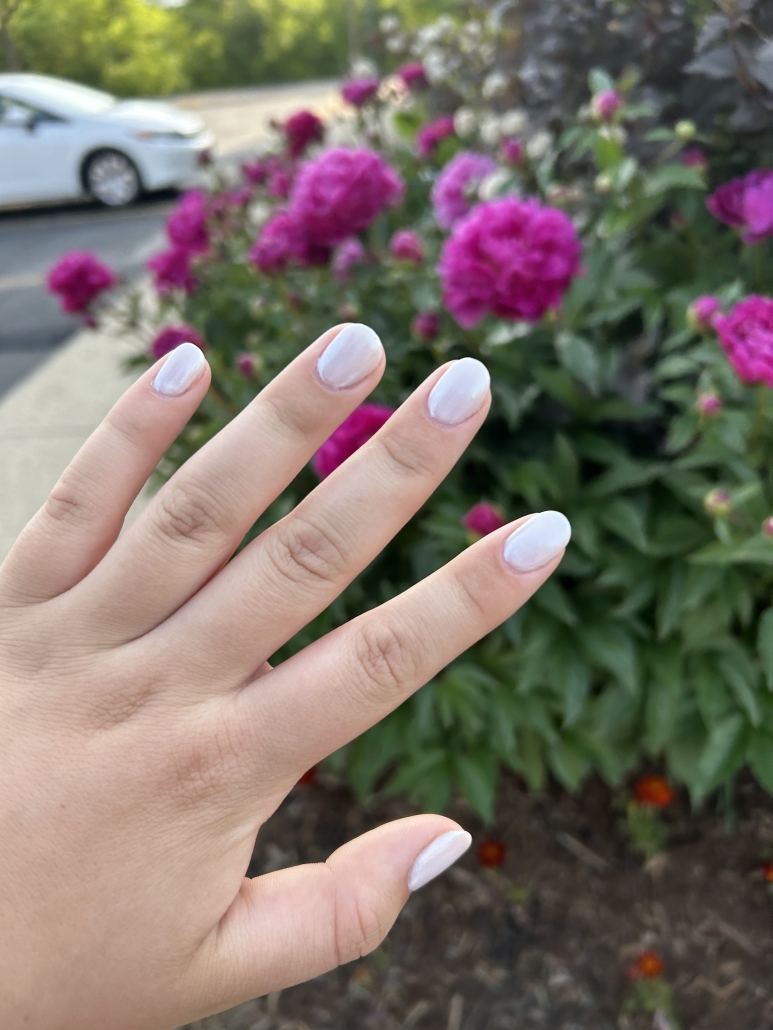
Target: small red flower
{"points": [[650, 965], [655, 791], [309, 777], [767, 871], [491, 853]]}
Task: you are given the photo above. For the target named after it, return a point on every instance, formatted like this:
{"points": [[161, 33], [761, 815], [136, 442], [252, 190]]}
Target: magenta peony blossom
{"points": [[700, 314], [79, 278], [302, 129], [428, 138], [758, 210], [413, 75], [512, 151], [483, 519], [172, 271], [694, 157], [342, 192], [246, 365], [363, 423], [513, 258], [359, 91], [746, 335], [455, 190], [282, 242], [172, 336], [348, 254], [407, 245], [187, 225], [605, 106], [426, 325]]}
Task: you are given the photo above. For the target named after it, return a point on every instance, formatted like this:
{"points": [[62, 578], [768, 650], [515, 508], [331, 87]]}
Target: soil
{"points": [[542, 943]]}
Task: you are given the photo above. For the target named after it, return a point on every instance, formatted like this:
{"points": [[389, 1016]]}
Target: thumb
{"points": [[293, 924]]}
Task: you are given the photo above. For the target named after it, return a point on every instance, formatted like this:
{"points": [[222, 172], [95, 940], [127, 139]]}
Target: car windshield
{"points": [[66, 97]]}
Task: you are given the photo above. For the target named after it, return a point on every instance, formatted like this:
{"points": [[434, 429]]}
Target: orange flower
{"points": [[767, 871], [649, 965], [309, 777], [655, 791], [491, 853]]}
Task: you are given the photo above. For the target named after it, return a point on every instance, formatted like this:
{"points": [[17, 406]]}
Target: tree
{"points": [[10, 55]]}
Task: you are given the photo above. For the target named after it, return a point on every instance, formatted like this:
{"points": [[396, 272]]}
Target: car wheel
{"points": [[112, 178]]}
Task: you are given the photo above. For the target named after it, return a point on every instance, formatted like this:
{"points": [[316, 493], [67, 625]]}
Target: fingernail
{"points": [[460, 392], [351, 356], [180, 370], [535, 542], [438, 856]]}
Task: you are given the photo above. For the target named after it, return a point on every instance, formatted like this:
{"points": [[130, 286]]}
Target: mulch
{"points": [[542, 942]]}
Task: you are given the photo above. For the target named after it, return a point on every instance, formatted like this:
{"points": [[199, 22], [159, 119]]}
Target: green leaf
{"points": [[743, 689], [761, 758], [569, 764], [579, 357], [664, 695], [670, 600], [478, 781], [718, 754], [713, 699], [600, 81], [609, 646], [572, 678], [765, 645], [552, 598], [673, 176], [626, 520]]}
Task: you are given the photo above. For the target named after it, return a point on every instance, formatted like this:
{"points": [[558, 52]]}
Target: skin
{"points": [[145, 738]]}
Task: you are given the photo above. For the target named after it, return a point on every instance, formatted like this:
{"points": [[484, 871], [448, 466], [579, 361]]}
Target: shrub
{"points": [[613, 401]]}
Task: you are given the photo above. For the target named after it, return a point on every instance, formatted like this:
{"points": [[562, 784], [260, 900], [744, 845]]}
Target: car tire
{"points": [[112, 178]]}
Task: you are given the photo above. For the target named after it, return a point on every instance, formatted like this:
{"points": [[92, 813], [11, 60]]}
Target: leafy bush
{"points": [[617, 406]]}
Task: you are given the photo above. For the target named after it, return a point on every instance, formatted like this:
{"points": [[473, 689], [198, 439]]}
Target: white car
{"points": [[63, 141]]}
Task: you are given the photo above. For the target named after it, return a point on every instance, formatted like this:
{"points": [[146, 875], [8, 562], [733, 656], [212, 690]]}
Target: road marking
{"points": [[22, 282]]}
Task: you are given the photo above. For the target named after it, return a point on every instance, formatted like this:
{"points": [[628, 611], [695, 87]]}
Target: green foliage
{"points": [[655, 638], [644, 827]]}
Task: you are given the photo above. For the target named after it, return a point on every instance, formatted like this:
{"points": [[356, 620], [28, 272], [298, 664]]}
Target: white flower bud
{"points": [[539, 144], [494, 85], [435, 66], [363, 68], [465, 121], [513, 122], [389, 23], [491, 186], [490, 131]]}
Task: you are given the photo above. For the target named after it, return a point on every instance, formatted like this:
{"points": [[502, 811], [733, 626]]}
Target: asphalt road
{"points": [[31, 324]]}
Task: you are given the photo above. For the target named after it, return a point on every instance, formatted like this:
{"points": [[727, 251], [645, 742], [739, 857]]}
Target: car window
{"points": [[66, 98], [14, 113]]}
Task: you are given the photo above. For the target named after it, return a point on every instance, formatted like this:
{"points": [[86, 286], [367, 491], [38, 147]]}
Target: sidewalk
{"points": [[47, 417]]}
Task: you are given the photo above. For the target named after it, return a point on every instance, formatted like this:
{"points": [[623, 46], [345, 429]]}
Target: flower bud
{"points": [[483, 519], [604, 106], [708, 404], [717, 503], [685, 130], [604, 183], [767, 526], [512, 151], [700, 314], [246, 364], [348, 311], [426, 325]]}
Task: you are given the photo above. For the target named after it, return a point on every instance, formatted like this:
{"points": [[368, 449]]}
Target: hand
{"points": [[145, 738]]}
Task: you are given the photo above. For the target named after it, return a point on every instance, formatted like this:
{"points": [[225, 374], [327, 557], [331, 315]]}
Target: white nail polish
{"points": [[460, 392], [437, 857], [537, 541], [350, 356], [180, 370]]}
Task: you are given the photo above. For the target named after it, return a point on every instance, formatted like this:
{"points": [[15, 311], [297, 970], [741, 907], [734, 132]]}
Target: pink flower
{"points": [[172, 336], [348, 254], [605, 105], [172, 271], [695, 158], [353, 432], [455, 190], [79, 278], [300, 130], [279, 184], [187, 225], [513, 258], [746, 335], [767, 529], [246, 365], [700, 314], [432, 134], [359, 91], [413, 75], [256, 172], [342, 192], [708, 404], [407, 245], [426, 325], [282, 242], [758, 210], [746, 203], [512, 151], [483, 519]]}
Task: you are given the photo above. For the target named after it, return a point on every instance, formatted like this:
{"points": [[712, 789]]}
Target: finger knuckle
{"points": [[386, 658], [303, 551], [69, 503], [190, 514], [289, 420], [473, 597], [361, 927], [407, 457]]}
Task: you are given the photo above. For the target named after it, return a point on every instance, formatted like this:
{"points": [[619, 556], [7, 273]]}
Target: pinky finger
{"points": [[85, 511]]}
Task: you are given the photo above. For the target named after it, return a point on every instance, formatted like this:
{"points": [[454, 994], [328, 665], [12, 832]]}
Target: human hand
{"points": [[145, 737]]}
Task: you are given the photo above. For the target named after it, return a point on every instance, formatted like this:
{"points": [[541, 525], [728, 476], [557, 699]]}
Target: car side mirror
{"points": [[19, 118]]}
